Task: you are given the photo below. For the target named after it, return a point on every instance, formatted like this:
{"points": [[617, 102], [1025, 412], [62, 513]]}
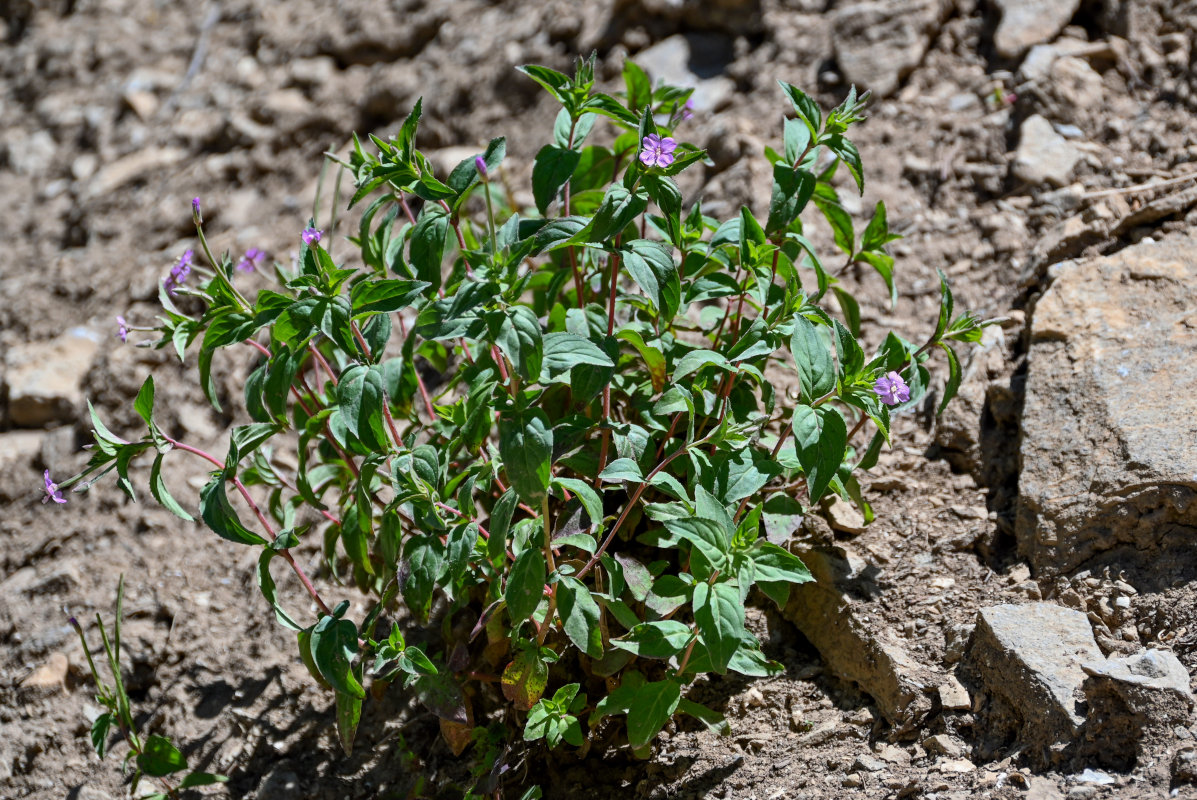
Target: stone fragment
{"points": [[867, 763], [880, 42], [44, 379], [844, 517], [50, 676], [1043, 156], [943, 745], [854, 645], [31, 154], [953, 696], [1026, 661], [1184, 765], [1025, 23], [136, 166], [1043, 789], [143, 103], [1135, 702], [693, 60], [18, 478], [959, 766], [1106, 454]]}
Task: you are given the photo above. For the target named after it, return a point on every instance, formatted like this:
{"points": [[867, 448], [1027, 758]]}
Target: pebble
{"points": [[1043, 156], [49, 676], [867, 763]]}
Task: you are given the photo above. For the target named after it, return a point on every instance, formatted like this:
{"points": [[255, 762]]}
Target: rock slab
{"points": [[44, 379], [1135, 702], [1026, 660], [853, 647], [1043, 156], [1026, 23], [880, 42], [1110, 415]]}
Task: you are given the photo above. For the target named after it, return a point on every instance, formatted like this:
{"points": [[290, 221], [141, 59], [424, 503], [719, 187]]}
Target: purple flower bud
{"points": [[52, 491], [892, 389], [250, 262], [122, 328], [311, 236], [480, 165], [656, 151], [179, 272], [196, 215], [688, 110]]}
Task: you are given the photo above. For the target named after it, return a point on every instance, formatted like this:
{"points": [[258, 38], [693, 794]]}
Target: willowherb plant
{"points": [[566, 452]]}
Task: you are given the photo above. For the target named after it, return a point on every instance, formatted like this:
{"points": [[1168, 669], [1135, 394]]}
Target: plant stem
{"points": [[286, 554]]}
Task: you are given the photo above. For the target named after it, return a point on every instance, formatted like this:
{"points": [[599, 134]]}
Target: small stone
{"points": [[959, 766], [50, 676], [1043, 789], [844, 517], [944, 745], [852, 782], [953, 696], [1184, 766], [1025, 23], [144, 103], [670, 61], [753, 698], [84, 166], [1043, 156], [879, 42], [867, 763], [136, 166], [1096, 777], [893, 754], [31, 154], [312, 71], [44, 379], [1082, 793]]}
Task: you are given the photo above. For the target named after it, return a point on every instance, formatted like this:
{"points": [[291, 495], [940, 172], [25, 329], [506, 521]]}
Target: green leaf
{"points": [[586, 495], [812, 356], [552, 80], [385, 296], [524, 679], [954, 375], [640, 88], [654, 359], [551, 170], [946, 305], [144, 404], [820, 436], [422, 565], [349, 713], [519, 338], [526, 446], [707, 536], [580, 616], [713, 720], [618, 209], [266, 584], [660, 639], [159, 757], [622, 469], [563, 351], [428, 244], [851, 356], [742, 474], [219, 515], [651, 266], [652, 707], [696, 360], [849, 155], [361, 397], [808, 110], [719, 614], [525, 585], [333, 646], [162, 494], [792, 190], [201, 779], [500, 523], [773, 563], [100, 730]]}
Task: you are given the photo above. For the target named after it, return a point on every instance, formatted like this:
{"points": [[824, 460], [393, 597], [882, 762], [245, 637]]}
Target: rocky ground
{"points": [[1018, 621]]}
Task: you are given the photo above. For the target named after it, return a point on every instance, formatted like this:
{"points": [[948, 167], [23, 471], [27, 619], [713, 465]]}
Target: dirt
{"points": [[115, 114]]}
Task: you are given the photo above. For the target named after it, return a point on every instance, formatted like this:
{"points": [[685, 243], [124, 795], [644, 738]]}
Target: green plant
{"points": [[154, 756], [565, 457]]}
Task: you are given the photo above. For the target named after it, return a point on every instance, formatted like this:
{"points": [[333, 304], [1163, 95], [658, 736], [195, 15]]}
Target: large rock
{"points": [[1043, 156], [1134, 704], [880, 42], [856, 646], [1026, 661], [1026, 23], [693, 61], [44, 379], [1110, 415]]}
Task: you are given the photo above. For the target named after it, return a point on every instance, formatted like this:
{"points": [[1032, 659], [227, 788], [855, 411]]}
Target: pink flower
{"points": [[52, 490], [311, 236], [657, 152], [122, 329], [892, 389]]}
